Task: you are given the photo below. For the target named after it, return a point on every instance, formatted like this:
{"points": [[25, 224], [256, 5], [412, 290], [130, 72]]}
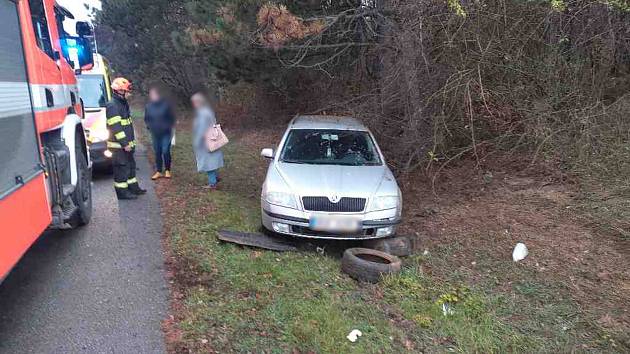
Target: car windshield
{"points": [[92, 90], [330, 147]]}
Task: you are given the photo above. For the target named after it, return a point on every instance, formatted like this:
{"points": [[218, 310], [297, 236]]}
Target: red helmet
{"points": [[122, 84]]}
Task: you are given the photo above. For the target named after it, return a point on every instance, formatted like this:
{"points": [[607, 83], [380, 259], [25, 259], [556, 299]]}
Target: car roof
{"points": [[327, 122]]}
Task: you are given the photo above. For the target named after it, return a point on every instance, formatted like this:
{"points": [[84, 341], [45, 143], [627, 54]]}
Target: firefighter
{"points": [[122, 141]]}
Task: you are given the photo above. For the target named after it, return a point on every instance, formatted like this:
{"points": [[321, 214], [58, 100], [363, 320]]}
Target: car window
{"points": [[330, 147], [92, 90]]}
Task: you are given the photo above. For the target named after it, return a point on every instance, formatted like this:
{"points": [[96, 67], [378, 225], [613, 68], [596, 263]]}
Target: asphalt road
{"points": [[98, 289]]}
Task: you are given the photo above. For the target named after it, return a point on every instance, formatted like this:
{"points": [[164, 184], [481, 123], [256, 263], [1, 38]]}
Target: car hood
{"points": [[329, 180]]}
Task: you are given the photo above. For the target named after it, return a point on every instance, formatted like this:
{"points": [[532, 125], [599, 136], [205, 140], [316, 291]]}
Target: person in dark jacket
{"points": [[160, 120], [122, 141]]}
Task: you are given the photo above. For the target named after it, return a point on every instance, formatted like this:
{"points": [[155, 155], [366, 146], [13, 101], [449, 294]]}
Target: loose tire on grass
{"points": [[396, 246], [368, 265]]}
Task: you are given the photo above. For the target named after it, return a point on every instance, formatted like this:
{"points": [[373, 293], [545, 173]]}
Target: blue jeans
{"points": [[212, 178], [162, 149]]}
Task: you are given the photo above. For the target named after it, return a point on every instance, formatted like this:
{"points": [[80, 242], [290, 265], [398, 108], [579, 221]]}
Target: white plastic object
{"points": [[354, 335], [446, 309], [520, 252]]}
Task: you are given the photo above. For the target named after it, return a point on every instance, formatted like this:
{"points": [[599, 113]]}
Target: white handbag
{"points": [[215, 138]]}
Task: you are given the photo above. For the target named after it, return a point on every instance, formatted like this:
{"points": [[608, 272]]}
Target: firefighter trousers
{"points": [[124, 166]]}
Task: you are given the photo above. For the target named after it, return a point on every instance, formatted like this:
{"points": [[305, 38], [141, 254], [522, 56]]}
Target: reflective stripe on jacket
{"points": [[119, 123]]}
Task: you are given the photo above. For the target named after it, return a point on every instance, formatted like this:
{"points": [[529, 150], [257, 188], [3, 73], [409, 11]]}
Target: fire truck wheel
{"points": [[82, 195]]}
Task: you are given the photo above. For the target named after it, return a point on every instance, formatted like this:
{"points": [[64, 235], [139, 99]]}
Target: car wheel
{"points": [[397, 246], [369, 265], [82, 195]]}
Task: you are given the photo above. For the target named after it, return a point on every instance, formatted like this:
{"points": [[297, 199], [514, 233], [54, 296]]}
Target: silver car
{"points": [[329, 180]]}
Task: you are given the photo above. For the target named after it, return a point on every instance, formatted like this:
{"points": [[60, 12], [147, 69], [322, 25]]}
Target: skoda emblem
{"points": [[334, 199]]}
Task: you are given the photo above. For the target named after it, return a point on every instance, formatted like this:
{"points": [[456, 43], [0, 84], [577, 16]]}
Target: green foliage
{"points": [[456, 7], [558, 5], [188, 43], [470, 322], [142, 42], [623, 5]]}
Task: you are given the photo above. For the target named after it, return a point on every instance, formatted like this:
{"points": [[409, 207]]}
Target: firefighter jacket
{"points": [[119, 123]]}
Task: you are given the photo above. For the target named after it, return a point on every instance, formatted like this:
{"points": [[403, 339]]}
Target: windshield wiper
{"points": [[331, 163], [295, 162]]}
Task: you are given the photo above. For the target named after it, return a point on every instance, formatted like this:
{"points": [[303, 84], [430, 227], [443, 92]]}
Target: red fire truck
{"points": [[45, 177]]}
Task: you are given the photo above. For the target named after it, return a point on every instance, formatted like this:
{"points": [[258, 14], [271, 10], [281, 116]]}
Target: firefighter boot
{"points": [[135, 189], [125, 194]]}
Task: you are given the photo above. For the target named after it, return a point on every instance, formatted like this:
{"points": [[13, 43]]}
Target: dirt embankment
{"points": [[480, 213]]}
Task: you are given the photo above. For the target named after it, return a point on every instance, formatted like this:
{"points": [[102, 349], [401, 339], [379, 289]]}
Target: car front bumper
{"points": [[298, 223]]}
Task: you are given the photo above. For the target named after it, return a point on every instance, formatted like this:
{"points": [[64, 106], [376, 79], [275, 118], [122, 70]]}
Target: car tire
{"points": [[368, 265], [82, 195], [396, 246], [103, 168]]}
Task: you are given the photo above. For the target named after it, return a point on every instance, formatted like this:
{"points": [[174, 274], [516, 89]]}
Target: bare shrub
{"points": [[439, 80], [435, 79]]}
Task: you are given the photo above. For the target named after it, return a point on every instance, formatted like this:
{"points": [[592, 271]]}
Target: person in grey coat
{"points": [[208, 162]]}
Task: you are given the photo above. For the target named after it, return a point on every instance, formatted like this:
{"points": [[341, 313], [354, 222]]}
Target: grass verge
{"points": [[228, 298]]}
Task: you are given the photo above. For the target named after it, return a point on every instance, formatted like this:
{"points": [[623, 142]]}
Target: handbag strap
{"points": [[213, 133]]}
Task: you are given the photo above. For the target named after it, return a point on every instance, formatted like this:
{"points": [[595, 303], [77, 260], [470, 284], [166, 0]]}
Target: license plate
{"points": [[342, 224]]}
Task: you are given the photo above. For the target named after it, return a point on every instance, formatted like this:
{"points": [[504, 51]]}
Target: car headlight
{"points": [[281, 199], [385, 203]]}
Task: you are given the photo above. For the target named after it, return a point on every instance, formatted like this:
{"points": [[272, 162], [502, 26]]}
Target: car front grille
{"points": [[345, 205], [305, 231]]}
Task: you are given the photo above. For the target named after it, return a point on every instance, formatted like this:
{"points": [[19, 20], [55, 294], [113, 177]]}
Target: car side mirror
{"points": [[267, 153]]}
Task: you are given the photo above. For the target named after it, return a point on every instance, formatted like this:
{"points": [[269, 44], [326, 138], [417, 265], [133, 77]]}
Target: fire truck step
{"points": [[62, 214], [68, 209]]}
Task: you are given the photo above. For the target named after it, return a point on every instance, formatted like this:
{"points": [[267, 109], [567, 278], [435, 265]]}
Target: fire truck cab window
{"points": [[40, 26], [59, 17]]}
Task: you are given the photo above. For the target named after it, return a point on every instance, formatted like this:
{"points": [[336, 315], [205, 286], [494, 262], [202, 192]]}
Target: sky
{"points": [[77, 7]]}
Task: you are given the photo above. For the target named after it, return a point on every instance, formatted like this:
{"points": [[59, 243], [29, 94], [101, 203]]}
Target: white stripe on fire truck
{"points": [[14, 99], [60, 95]]}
